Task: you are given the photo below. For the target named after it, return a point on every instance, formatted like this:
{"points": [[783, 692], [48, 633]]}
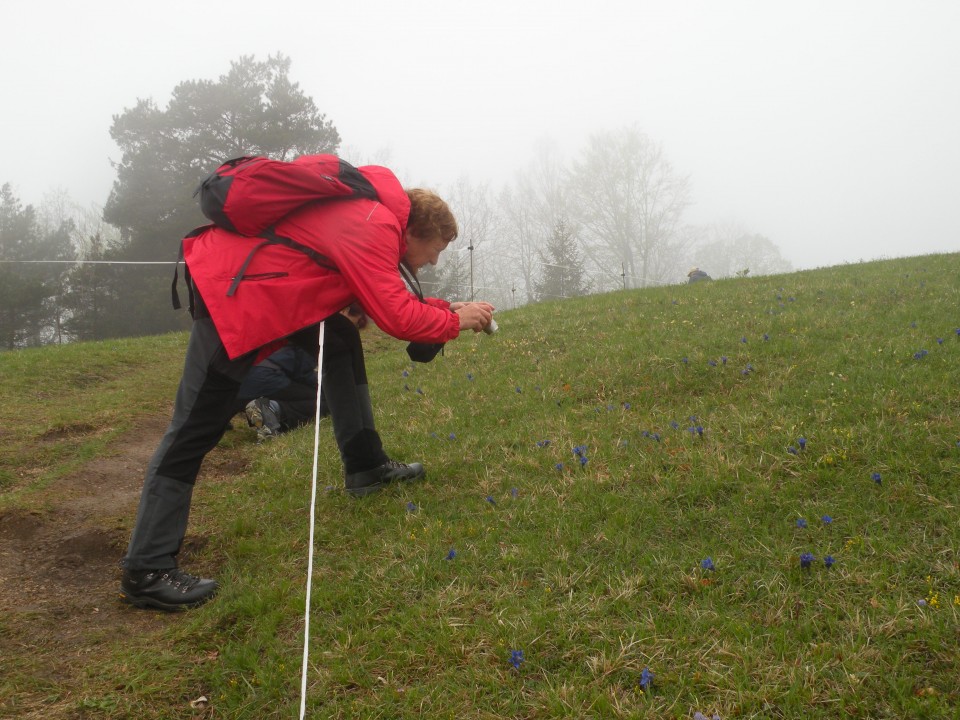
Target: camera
{"points": [[491, 328]]}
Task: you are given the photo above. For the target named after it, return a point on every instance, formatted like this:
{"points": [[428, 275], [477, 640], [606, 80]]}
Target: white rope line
{"points": [[313, 504], [90, 262]]}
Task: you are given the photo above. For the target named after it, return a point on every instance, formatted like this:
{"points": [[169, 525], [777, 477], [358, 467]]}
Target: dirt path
{"points": [[59, 575]]}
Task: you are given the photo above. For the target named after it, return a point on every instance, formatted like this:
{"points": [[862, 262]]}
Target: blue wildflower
{"points": [[743, 339], [452, 436], [920, 355], [939, 341], [452, 554], [517, 389], [580, 450], [646, 679], [491, 500], [434, 436], [411, 507], [674, 424], [514, 492], [405, 374], [876, 478], [685, 360], [827, 519], [542, 443], [921, 602], [802, 442], [723, 359], [707, 564], [559, 466], [829, 561], [626, 406], [792, 450], [801, 523], [712, 363], [766, 337], [656, 436], [806, 559], [516, 657]]}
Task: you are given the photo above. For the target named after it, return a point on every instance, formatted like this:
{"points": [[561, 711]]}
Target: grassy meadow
{"points": [[736, 498]]}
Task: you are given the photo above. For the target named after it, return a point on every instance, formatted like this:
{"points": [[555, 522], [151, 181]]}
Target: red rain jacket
{"points": [[283, 290]]}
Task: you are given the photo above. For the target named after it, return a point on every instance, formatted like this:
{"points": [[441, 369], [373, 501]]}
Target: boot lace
{"points": [[182, 581]]}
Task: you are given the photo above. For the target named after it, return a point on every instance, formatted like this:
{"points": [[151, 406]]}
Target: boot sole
{"points": [[145, 603], [371, 489]]}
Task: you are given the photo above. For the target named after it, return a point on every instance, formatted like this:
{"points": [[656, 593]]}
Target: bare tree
{"points": [[630, 203], [519, 241], [731, 249]]}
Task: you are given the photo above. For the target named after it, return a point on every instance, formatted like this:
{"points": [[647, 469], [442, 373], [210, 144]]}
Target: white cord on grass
{"points": [[313, 503]]}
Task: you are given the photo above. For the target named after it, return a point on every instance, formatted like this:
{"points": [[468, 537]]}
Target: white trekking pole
{"points": [[313, 504]]}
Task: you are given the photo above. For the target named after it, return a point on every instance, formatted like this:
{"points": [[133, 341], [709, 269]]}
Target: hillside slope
{"points": [[737, 497]]}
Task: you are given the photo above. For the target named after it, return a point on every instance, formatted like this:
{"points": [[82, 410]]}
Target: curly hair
{"points": [[430, 216]]}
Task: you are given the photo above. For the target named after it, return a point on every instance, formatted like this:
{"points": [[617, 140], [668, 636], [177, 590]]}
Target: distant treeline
{"points": [[611, 218]]}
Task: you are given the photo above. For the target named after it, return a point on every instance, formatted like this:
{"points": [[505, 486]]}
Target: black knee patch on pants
{"points": [[202, 429]]}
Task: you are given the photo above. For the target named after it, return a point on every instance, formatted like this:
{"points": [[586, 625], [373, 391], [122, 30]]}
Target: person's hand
{"points": [[473, 315]]}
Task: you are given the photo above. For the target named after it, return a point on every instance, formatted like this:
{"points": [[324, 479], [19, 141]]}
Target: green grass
{"points": [[63, 405], [594, 571]]}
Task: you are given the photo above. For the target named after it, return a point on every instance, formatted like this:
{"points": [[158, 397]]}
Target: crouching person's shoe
{"points": [[262, 414], [170, 589], [370, 481]]}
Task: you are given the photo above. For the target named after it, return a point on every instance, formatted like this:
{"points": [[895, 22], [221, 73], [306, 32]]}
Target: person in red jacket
{"points": [[282, 294]]}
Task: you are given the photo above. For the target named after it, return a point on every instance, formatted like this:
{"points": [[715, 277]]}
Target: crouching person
{"points": [[280, 292]]}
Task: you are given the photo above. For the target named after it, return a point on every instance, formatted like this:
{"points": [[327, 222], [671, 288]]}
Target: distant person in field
{"points": [[280, 294], [279, 394], [697, 275]]}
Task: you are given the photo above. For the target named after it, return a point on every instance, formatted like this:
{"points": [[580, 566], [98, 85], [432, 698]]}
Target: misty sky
{"points": [[833, 128]]}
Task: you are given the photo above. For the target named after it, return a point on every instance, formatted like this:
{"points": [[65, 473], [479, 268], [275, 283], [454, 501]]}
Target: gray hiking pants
{"points": [[204, 405]]}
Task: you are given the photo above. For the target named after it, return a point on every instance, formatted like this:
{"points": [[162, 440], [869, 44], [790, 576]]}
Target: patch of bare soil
{"points": [[59, 577]]}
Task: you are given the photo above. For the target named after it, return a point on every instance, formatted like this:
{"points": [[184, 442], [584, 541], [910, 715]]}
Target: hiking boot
{"points": [[370, 481], [170, 589], [262, 416]]}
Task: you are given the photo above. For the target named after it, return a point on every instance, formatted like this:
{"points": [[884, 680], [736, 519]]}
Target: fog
{"points": [[830, 128]]}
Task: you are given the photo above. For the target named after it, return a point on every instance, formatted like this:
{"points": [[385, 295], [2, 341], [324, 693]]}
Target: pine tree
{"points": [[562, 263]]}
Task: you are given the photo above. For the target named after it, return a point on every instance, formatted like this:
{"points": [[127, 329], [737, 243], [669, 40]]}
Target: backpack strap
{"points": [[174, 295]]}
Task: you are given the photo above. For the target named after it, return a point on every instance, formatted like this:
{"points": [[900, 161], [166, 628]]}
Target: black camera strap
{"points": [[410, 278]]}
